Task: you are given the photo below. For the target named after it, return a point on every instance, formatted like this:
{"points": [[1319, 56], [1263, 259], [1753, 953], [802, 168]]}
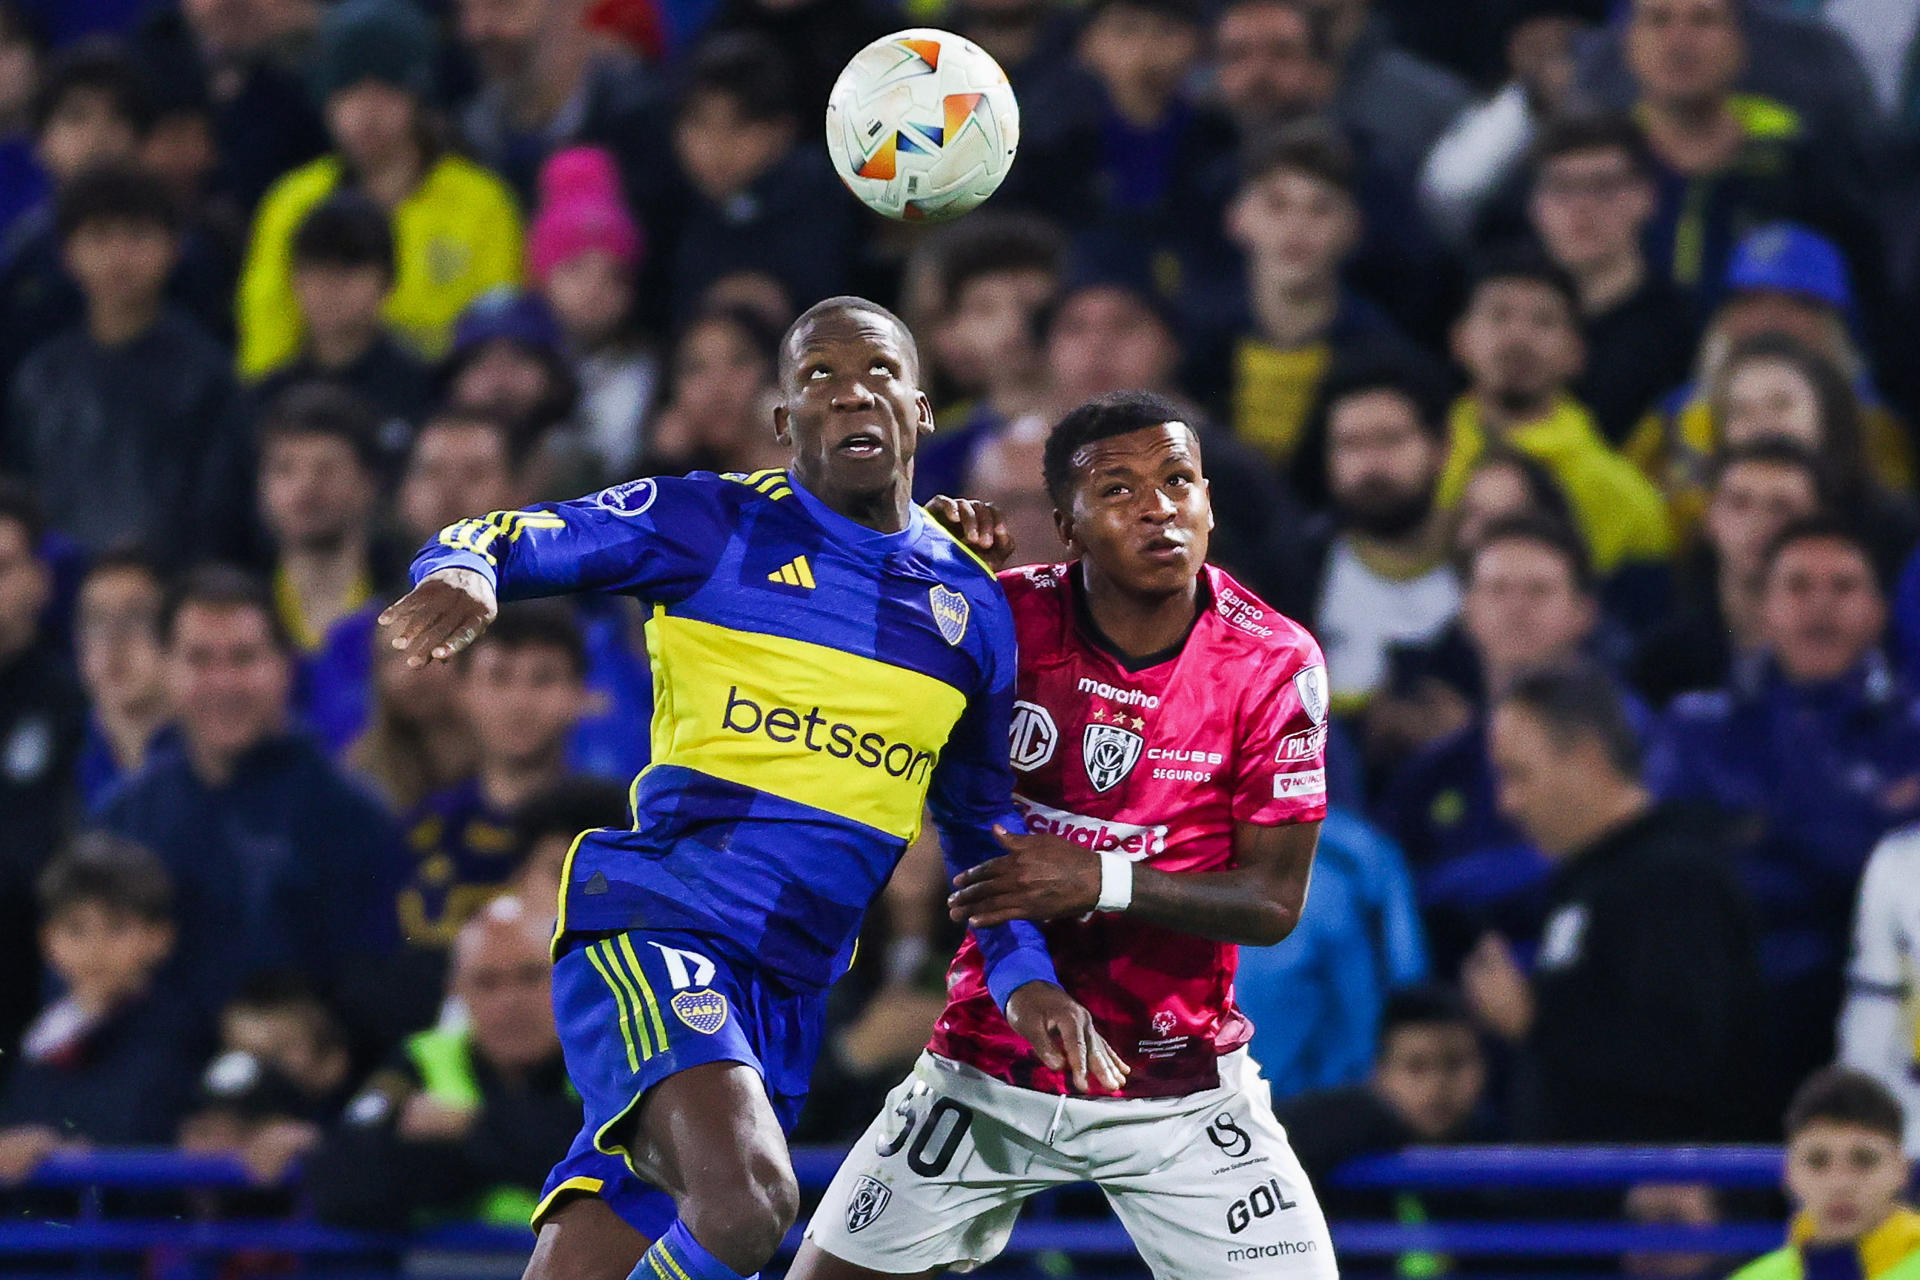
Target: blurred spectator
{"points": [[1794, 57], [1032, 40], [417, 740], [1758, 488], [506, 363], [42, 716], [1273, 63], [463, 463], [1521, 346], [1395, 105], [1427, 1087], [1814, 747], [817, 35], [220, 55], [116, 638], [455, 230], [138, 402], [1639, 1020], [1880, 1024], [547, 83], [718, 411], [280, 862], [466, 1122], [111, 1060], [1377, 566], [1316, 999], [997, 276], [281, 1074], [1846, 1178], [582, 251], [1725, 160], [1297, 220], [22, 183], [1529, 605], [343, 275], [754, 197], [319, 484], [546, 824], [1592, 198], [521, 690], [1504, 482], [1785, 283]]}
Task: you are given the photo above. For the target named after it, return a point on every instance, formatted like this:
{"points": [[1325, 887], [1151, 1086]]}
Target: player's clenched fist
{"points": [[1039, 878], [440, 617], [1062, 1034]]}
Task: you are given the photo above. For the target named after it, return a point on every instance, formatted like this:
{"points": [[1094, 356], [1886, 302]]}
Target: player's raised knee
{"points": [[753, 1212]]}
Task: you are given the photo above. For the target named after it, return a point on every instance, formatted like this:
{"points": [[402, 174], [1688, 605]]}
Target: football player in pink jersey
{"points": [[1168, 745]]}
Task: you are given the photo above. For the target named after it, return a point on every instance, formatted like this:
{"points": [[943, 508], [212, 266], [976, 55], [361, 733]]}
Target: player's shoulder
{"points": [[1244, 623], [954, 562], [664, 497], [1036, 587]]}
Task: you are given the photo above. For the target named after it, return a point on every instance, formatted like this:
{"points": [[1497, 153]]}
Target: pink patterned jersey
{"points": [[1159, 764]]}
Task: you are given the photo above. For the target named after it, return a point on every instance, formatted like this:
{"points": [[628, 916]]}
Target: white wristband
{"points": [[1116, 882]]}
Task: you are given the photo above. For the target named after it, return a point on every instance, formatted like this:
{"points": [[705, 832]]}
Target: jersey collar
{"points": [[853, 532]]}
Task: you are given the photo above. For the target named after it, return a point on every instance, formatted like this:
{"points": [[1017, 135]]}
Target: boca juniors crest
{"points": [[704, 1010], [949, 613], [1109, 753]]}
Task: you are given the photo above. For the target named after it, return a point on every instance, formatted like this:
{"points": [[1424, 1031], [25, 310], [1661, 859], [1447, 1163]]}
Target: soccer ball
{"points": [[922, 125]]}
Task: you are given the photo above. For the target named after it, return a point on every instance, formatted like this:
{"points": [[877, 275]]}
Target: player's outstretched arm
{"points": [[440, 617], [1043, 877]]}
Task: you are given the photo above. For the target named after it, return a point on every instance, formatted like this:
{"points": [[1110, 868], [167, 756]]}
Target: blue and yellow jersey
{"points": [[816, 685]]}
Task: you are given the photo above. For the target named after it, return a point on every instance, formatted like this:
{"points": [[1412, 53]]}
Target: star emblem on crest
{"points": [[1100, 713], [1138, 723]]}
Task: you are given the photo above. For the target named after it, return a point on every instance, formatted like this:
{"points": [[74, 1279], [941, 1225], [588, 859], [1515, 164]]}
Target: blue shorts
{"points": [[634, 1008]]}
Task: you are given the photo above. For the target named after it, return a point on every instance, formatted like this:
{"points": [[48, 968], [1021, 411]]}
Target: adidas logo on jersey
{"points": [[794, 573]]}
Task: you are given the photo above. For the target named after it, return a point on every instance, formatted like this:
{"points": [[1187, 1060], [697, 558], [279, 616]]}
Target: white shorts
{"points": [[1205, 1184]]}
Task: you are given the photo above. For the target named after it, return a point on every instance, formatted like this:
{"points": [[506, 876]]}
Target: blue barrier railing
{"points": [[93, 1232]]}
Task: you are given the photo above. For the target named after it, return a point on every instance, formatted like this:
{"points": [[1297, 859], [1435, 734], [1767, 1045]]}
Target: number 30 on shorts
{"points": [[946, 1123]]}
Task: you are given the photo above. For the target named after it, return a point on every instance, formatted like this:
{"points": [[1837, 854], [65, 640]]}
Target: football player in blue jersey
{"points": [[828, 664]]}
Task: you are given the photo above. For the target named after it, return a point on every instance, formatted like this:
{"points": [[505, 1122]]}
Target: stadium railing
{"points": [[96, 1241]]}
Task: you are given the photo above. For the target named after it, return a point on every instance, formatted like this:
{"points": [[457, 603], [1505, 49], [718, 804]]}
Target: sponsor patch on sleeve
{"points": [[1300, 786]]}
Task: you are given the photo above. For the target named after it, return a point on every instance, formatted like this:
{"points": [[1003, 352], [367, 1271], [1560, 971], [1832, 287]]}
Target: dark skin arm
{"points": [[1256, 903]]}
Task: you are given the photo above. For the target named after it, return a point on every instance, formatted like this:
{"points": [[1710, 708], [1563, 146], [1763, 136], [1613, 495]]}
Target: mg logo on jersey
{"points": [[1031, 736], [1110, 753], [949, 613], [1311, 685], [870, 1196]]}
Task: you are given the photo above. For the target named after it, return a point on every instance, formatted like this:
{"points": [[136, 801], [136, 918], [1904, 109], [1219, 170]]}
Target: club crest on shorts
{"points": [[870, 1196], [1109, 753], [949, 613], [704, 1010]]}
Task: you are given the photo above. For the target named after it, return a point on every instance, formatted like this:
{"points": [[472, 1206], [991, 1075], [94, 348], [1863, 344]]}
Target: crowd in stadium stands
{"points": [[1553, 362]]}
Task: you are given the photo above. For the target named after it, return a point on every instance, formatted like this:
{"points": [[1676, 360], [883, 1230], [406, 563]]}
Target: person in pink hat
{"points": [[582, 251]]}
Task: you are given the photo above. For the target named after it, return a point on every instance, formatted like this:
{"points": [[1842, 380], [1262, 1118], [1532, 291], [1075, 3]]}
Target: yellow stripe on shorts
{"points": [[620, 1000]]}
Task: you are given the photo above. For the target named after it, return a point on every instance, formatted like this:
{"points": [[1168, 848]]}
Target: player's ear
{"points": [[1206, 487], [923, 413], [782, 425], [1063, 528]]}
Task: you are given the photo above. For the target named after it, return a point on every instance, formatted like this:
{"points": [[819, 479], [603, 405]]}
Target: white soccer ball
{"points": [[922, 125]]}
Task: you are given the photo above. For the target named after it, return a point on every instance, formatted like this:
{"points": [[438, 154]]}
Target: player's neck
{"points": [[1134, 627], [885, 510]]}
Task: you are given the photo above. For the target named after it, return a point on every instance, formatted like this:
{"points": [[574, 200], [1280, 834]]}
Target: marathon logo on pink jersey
{"points": [[1097, 834]]}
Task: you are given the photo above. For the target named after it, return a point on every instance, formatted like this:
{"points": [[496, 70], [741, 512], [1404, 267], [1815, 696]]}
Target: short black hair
{"points": [[127, 559], [1113, 414], [1314, 147], [18, 26], [783, 365], [321, 407], [537, 624], [1404, 380], [1579, 699], [567, 808], [1844, 1095], [1770, 451], [1822, 526], [994, 244], [97, 65], [345, 230], [102, 869], [1318, 19], [1542, 531], [222, 586], [748, 67], [1610, 131], [518, 444], [115, 193], [1191, 12], [1529, 263], [1425, 1004], [18, 505], [289, 991]]}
